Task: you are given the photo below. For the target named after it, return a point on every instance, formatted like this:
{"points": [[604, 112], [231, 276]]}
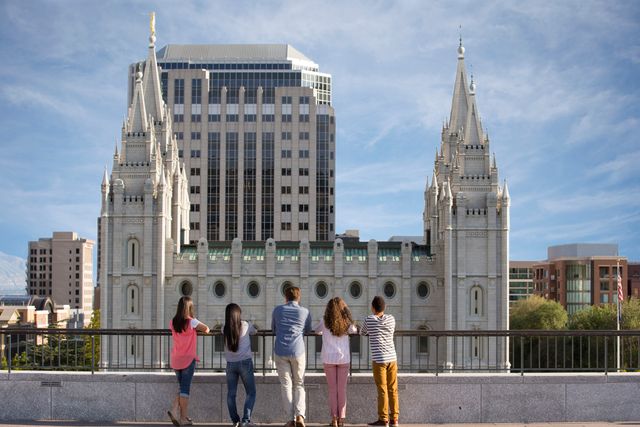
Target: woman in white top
{"points": [[237, 351], [335, 327]]}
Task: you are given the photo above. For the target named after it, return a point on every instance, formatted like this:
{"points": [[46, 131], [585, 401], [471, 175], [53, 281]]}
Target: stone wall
{"points": [[424, 398]]}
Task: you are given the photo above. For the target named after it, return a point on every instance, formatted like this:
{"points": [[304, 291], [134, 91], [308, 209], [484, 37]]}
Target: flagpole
{"points": [[618, 279]]}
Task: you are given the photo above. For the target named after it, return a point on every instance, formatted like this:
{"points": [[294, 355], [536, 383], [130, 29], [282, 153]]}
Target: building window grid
{"points": [[178, 91], [213, 187], [268, 176], [231, 186], [249, 197]]}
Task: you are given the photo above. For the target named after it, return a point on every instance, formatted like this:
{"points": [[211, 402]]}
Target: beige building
{"points": [[255, 129], [61, 268]]}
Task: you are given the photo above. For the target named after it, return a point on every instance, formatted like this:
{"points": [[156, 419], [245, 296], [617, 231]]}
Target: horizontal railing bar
{"points": [[400, 333]]}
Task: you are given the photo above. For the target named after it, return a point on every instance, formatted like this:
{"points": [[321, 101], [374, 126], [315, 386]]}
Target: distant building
{"points": [[255, 128], [61, 268], [633, 283], [580, 275], [520, 280]]}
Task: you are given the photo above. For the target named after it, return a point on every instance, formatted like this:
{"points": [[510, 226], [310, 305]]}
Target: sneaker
{"points": [[247, 424], [394, 423], [380, 423], [237, 424]]}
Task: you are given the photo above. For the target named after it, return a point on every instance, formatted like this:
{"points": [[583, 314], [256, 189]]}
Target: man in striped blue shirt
{"points": [[289, 323], [380, 328]]}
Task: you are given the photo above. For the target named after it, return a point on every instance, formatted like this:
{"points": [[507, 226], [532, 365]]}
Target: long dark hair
{"points": [[232, 327], [337, 317], [184, 312]]}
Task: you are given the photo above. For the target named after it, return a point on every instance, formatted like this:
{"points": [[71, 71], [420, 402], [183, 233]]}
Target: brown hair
{"points": [[292, 293], [337, 317], [184, 312]]}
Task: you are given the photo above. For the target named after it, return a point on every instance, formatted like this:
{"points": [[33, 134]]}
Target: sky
{"points": [[556, 87]]}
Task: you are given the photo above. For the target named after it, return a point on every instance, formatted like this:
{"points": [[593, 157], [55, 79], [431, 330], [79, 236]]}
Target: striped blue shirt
{"points": [[289, 322], [380, 331]]}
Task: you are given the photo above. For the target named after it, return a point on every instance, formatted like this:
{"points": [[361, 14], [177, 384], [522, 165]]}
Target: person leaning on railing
{"points": [[184, 331], [237, 352], [289, 323], [335, 327], [380, 328]]}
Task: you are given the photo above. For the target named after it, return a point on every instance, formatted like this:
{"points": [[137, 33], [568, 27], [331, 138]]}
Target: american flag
{"points": [[620, 294]]}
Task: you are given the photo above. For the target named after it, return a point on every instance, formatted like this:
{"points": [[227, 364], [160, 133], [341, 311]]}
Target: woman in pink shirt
{"points": [[335, 327], [184, 330]]}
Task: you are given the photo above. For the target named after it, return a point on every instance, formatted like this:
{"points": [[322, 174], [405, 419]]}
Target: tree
{"points": [[536, 312], [603, 317]]}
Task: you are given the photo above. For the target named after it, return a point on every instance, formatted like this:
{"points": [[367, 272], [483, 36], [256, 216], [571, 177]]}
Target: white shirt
{"points": [[335, 350]]}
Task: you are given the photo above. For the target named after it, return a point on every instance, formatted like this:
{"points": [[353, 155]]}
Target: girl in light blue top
{"points": [[237, 351]]}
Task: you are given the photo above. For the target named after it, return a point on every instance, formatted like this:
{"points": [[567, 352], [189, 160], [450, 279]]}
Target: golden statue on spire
{"points": [[152, 23]]}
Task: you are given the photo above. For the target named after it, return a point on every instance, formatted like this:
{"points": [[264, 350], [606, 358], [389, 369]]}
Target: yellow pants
{"points": [[386, 377]]}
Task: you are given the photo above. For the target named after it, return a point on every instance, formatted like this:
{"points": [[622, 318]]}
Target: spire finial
{"points": [[138, 74], [460, 47], [472, 86], [152, 29]]}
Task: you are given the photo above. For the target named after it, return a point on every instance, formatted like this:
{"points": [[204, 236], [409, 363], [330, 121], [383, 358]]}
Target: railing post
{"points": [[521, 355], [437, 355], [606, 355], [10, 345], [93, 353]]}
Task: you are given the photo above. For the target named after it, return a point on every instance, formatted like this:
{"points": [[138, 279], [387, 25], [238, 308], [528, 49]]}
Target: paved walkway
{"points": [[141, 424]]}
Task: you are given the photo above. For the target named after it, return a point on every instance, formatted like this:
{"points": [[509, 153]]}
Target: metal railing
{"points": [[418, 351]]}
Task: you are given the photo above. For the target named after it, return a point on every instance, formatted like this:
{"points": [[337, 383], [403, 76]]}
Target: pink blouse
{"points": [[183, 351]]}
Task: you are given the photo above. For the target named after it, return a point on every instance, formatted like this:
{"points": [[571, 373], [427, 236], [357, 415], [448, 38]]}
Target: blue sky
{"points": [[557, 90]]}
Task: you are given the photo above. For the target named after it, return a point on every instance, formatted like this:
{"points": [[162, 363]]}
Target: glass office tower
{"points": [[256, 129]]}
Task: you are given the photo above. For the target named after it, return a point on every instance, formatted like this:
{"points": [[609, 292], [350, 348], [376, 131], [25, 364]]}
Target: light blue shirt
{"points": [[244, 346], [289, 322]]}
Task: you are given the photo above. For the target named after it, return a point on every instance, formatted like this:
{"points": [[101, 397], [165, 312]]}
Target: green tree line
{"points": [[577, 352]]}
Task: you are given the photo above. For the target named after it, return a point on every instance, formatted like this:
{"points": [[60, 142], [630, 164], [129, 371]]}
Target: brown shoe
{"points": [[300, 421], [290, 423]]}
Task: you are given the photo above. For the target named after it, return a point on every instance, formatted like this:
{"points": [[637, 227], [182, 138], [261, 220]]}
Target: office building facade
{"points": [[61, 268], [520, 280], [581, 275], [255, 129]]}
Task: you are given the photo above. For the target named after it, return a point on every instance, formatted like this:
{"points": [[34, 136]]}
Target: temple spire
{"points": [[464, 113], [151, 85], [137, 120], [105, 178], [460, 102]]}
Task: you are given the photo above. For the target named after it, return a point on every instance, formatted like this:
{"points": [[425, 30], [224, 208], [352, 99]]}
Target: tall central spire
{"points": [[464, 113], [151, 82]]}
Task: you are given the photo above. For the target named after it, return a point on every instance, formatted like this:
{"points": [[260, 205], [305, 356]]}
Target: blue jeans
{"points": [[184, 378], [243, 370]]}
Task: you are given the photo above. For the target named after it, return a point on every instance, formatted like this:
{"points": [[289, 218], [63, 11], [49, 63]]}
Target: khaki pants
{"points": [[291, 374], [386, 377]]}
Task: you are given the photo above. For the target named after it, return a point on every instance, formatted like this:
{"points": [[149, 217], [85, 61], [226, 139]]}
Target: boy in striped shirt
{"points": [[380, 327]]}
